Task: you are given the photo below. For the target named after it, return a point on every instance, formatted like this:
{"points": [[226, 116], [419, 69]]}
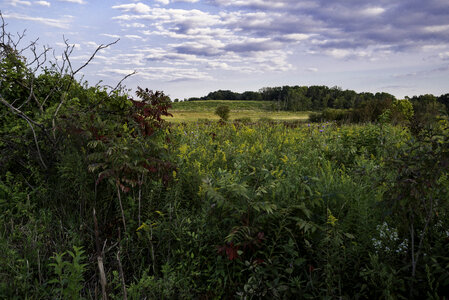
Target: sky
{"points": [[188, 48]]}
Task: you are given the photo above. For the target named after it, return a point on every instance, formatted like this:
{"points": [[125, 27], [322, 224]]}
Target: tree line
{"points": [[317, 97]]}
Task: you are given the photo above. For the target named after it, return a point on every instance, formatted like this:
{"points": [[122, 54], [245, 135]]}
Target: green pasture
{"points": [[192, 111]]}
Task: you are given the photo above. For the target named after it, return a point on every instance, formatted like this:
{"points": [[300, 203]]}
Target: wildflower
{"points": [[330, 218]]}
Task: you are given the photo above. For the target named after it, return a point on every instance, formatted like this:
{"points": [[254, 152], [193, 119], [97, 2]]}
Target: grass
{"points": [[192, 111], [211, 105]]}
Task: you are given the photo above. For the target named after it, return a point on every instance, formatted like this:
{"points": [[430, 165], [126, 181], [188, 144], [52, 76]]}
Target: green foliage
{"points": [[402, 111], [68, 281], [223, 112], [339, 115]]}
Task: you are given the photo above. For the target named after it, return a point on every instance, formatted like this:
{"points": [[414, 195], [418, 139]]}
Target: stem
{"points": [[140, 197], [121, 207], [122, 276], [103, 281]]}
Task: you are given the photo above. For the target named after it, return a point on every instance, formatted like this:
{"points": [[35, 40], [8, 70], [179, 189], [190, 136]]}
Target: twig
{"points": [[120, 82]]}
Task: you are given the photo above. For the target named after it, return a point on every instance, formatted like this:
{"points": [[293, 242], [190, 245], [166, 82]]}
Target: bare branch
{"points": [[120, 82], [93, 55]]}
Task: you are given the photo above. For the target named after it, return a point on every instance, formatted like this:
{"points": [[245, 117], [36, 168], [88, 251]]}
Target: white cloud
{"points": [[313, 70], [43, 3], [297, 36], [133, 37], [114, 36], [20, 2], [437, 28], [59, 23], [255, 3], [63, 45], [444, 55], [134, 25], [161, 73], [139, 8], [74, 1], [338, 53], [372, 11], [91, 44], [165, 2]]}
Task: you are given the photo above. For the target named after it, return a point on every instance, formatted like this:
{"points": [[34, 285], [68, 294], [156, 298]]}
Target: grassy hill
{"points": [[195, 110]]}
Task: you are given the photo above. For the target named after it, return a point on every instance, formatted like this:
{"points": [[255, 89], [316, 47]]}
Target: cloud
{"points": [[20, 2], [139, 8], [160, 73], [74, 1], [134, 37], [134, 25], [196, 48], [343, 24], [114, 36], [437, 28], [59, 23], [43, 3], [253, 3], [372, 11], [253, 45], [256, 36], [444, 55], [425, 72]]}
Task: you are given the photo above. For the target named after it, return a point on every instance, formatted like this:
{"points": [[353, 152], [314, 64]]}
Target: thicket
{"points": [[102, 198]]}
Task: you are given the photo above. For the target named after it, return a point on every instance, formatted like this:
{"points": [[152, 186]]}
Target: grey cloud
{"points": [[347, 24], [253, 46], [195, 50]]}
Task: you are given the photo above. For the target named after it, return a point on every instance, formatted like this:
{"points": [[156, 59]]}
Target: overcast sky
{"points": [[191, 47]]}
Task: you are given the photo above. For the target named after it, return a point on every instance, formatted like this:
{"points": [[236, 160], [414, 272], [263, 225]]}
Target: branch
{"points": [[93, 55], [30, 123], [120, 82], [25, 117], [20, 113]]}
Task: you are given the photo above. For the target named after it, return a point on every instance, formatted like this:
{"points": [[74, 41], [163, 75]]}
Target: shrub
{"points": [[223, 112]]}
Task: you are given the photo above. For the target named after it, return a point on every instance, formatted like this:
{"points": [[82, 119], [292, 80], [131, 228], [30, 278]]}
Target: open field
{"points": [[196, 110]]}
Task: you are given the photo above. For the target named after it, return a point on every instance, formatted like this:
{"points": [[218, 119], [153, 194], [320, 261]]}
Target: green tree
{"points": [[223, 112], [401, 111]]}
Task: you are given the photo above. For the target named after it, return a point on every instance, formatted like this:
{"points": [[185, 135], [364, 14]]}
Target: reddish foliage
{"points": [[149, 111], [230, 250]]}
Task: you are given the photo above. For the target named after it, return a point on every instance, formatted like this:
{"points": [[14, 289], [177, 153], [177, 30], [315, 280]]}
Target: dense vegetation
{"points": [[100, 197]]}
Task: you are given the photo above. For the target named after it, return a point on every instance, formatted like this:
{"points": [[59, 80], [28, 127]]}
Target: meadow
{"points": [[191, 111]]}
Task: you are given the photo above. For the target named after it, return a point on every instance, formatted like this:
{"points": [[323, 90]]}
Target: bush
{"points": [[223, 112]]}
